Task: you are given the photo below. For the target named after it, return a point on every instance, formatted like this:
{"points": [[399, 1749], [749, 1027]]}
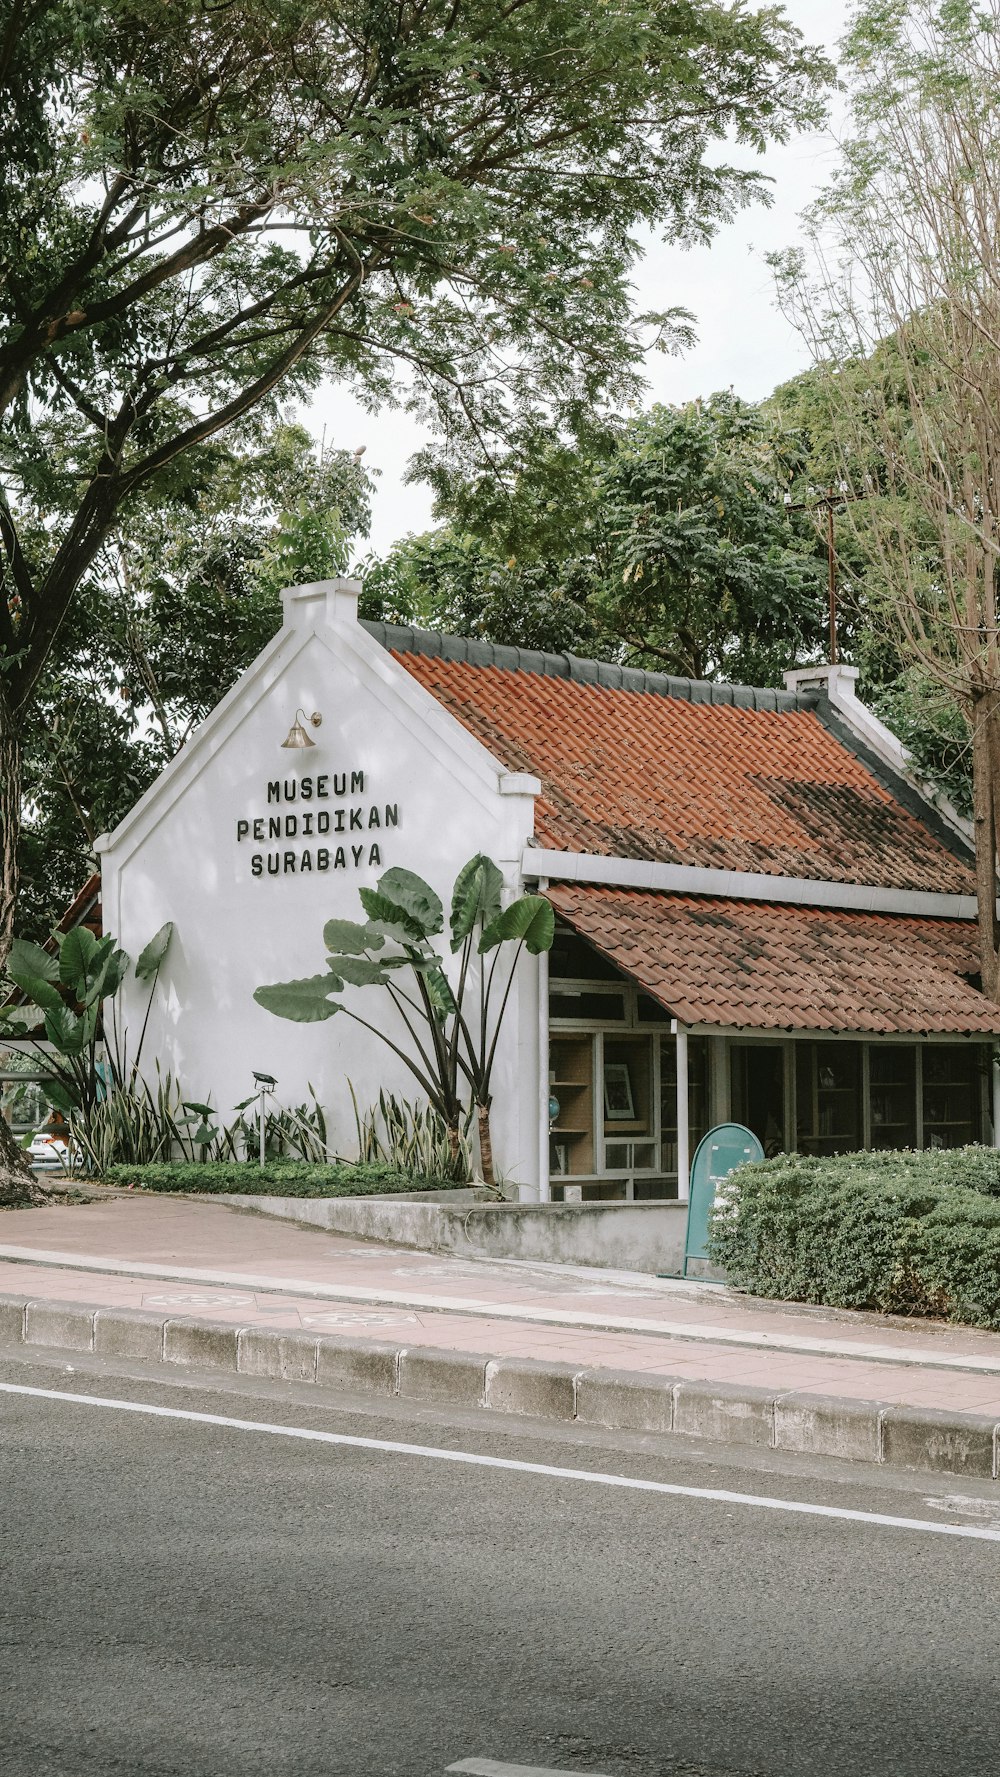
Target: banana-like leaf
{"points": [[31, 961], [59, 1094], [40, 992], [66, 1032], [152, 956], [345, 937], [439, 989], [407, 891], [476, 897], [111, 977], [358, 971], [391, 919], [76, 955], [304, 1001], [530, 918]]}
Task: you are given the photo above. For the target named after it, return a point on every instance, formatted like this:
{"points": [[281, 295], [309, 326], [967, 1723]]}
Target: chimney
{"points": [[321, 601]]}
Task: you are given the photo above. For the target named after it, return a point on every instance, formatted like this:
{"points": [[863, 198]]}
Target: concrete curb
{"points": [[923, 1439]]}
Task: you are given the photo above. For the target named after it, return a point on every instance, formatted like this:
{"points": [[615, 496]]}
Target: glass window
{"points": [[892, 1075], [596, 1007], [827, 1098], [629, 1108], [573, 959], [757, 1081], [951, 1094]]}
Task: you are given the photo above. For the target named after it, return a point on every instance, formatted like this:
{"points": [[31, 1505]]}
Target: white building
{"points": [[760, 915]]}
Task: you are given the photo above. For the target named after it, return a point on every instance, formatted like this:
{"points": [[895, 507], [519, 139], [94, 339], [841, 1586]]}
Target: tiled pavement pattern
{"points": [[767, 967], [478, 1306], [686, 779]]}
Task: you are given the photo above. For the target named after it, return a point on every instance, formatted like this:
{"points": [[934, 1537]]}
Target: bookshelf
{"points": [[571, 1081], [950, 1095], [892, 1090]]}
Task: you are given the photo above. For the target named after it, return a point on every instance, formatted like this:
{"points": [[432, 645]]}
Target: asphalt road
{"points": [[181, 1599]]}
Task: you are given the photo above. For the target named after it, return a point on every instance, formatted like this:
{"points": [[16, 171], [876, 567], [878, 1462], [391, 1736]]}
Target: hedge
{"points": [[279, 1178], [903, 1233]]}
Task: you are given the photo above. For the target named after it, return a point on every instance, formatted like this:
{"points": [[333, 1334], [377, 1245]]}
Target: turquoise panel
{"points": [[718, 1153]]}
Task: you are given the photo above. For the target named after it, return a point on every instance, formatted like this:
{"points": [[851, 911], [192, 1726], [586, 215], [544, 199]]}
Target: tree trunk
{"points": [[485, 1144], [454, 1150], [985, 797], [17, 1181]]}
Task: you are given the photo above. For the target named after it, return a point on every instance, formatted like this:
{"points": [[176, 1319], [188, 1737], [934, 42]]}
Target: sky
{"points": [[743, 342]]}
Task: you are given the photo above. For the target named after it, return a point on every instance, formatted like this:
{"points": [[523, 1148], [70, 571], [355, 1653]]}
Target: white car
{"points": [[49, 1152]]}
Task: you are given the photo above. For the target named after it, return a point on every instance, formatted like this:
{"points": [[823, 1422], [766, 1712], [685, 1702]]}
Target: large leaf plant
{"points": [[449, 1024], [77, 1038]]}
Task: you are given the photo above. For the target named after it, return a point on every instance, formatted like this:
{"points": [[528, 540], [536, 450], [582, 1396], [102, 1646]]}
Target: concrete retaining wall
{"points": [[617, 1236]]}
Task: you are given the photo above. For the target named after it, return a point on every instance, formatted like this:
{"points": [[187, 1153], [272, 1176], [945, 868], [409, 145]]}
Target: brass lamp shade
{"points": [[297, 735]]}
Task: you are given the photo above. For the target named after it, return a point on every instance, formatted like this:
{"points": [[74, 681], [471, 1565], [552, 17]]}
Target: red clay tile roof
{"points": [[758, 966], [638, 774]]}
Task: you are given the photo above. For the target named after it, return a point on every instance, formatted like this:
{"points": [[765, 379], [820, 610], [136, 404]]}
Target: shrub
{"points": [[279, 1178], [903, 1233], [413, 1138]]}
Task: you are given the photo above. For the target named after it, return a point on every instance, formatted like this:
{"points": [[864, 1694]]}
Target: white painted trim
{"points": [[741, 885], [544, 1089], [396, 688], [683, 1116], [778, 1033], [839, 683]]}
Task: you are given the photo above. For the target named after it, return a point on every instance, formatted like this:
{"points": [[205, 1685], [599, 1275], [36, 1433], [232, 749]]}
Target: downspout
{"points": [[996, 1102]]}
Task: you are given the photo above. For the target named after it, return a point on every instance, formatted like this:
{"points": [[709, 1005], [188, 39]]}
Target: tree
{"points": [[900, 298], [205, 204], [181, 597], [919, 709], [448, 1042], [665, 543]]}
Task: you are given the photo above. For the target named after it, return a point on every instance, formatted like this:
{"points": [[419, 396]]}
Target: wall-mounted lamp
{"points": [[297, 736]]}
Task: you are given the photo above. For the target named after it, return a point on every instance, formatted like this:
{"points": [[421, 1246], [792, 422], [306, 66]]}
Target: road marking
{"points": [[472, 1459], [488, 1767]]}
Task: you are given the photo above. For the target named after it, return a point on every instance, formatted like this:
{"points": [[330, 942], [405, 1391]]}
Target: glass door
{"points": [[757, 1082]]}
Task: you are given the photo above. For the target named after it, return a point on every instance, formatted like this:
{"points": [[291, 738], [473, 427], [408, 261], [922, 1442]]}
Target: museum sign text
{"points": [[332, 830]]}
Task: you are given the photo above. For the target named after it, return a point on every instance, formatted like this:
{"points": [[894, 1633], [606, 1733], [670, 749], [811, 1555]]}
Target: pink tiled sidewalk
{"points": [[207, 1260]]}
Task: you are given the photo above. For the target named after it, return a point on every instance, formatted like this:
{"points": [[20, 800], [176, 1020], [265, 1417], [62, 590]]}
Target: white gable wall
{"points": [[419, 787]]}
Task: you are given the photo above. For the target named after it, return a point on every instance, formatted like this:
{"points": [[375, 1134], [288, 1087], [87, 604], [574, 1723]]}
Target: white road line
{"points": [[631, 1483], [488, 1767]]}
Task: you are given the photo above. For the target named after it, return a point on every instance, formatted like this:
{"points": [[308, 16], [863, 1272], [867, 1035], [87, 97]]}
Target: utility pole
{"points": [[827, 501]]}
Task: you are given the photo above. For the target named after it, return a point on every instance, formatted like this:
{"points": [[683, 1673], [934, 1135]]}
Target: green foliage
{"points": [[280, 1178], [137, 1123], [113, 1112], [290, 1133], [412, 1139], [181, 597], [305, 1001], [445, 1046], [204, 204], [664, 542], [903, 1233]]}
